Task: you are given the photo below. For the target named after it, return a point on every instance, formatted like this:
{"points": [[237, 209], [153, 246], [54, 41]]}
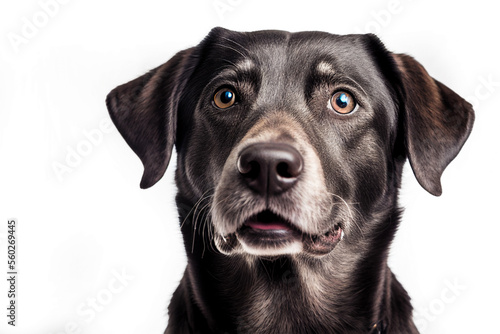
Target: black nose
{"points": [[270, 168]]}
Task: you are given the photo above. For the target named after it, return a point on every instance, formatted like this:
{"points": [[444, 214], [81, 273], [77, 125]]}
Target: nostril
{"points": [[283, 170], [248, 164], [251, 170]]}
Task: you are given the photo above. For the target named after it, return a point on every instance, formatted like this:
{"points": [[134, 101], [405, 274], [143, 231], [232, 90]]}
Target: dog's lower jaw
{"points": [[239, 293]]}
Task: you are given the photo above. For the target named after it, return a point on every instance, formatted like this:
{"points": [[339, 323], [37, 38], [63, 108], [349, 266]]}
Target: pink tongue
{"points": [[268, 226]]}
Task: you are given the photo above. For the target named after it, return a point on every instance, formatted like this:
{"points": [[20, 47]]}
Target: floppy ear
{"points": [[437, 122], [145, 112]]}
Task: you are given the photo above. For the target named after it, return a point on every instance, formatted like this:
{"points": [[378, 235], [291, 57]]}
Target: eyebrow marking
{"points": [[325, 68], [245, 66]]}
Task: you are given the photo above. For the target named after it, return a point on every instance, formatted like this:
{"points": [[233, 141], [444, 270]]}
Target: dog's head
{"points": [[289, 141]]}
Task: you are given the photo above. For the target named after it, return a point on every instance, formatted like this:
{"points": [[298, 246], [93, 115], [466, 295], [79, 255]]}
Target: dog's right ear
{"points": [[145, 112], [437, 122]]}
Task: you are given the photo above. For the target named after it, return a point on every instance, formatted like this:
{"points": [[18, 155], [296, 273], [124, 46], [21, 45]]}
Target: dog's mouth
{"points": [[268, 221], [268, 234]]}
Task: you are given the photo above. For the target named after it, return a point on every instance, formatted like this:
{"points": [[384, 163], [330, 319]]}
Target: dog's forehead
{"points": [[290, 56]]}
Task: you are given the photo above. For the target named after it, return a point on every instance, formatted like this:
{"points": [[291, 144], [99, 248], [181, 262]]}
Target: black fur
{"points": [[282, 93]]}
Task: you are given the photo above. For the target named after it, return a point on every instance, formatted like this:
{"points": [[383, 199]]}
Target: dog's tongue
{"points": [[267, 220], [268, 226]]}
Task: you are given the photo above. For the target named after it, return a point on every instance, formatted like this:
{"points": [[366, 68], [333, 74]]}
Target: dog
{"points": [[290, 149]]}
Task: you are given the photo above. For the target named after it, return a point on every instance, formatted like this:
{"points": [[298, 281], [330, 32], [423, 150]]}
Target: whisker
{"points": [[202, 198], [193, 212], [350, 207], [202, 226], [238, 44], [346, 204], [231, 48]]}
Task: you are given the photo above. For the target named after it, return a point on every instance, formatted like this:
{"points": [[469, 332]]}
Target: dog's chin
{"points": [[267, 234]]}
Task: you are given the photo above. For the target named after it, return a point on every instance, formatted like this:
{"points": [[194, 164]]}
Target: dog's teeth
{"points": [[342, 235]]}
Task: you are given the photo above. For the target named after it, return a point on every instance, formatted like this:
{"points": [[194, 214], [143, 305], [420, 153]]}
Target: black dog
{"points": [[290, 151]]}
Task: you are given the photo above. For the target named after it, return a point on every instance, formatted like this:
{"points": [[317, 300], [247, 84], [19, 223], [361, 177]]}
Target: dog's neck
{"points": [[299, 295], [295, 294]]}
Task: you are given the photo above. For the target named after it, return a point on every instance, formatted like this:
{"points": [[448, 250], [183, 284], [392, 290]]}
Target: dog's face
{"points": [[289, 132], [290, 142]]}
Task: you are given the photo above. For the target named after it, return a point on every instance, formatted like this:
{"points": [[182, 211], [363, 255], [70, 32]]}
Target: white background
{"points": [[81, 229]]}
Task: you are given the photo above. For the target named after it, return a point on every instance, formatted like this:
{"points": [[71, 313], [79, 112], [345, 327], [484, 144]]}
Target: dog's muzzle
{"points": [[269, 171]]}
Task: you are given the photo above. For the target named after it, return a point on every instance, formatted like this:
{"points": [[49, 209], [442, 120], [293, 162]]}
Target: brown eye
{"points": [[224, 98], [343, 102]]}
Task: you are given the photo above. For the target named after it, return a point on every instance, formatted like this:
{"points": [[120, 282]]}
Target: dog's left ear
{"points": [[145, 112], [437, 122]]}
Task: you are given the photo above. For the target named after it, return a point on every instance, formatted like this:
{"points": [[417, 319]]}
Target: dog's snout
{"points": [[270, 168]]}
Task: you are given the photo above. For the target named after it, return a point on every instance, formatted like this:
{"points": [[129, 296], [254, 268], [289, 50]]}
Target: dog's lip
{"points": [[324, 243]]}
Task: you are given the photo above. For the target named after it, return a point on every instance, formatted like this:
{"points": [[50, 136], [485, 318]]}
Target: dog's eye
{"points": [[224, 98], [343, 102]]}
